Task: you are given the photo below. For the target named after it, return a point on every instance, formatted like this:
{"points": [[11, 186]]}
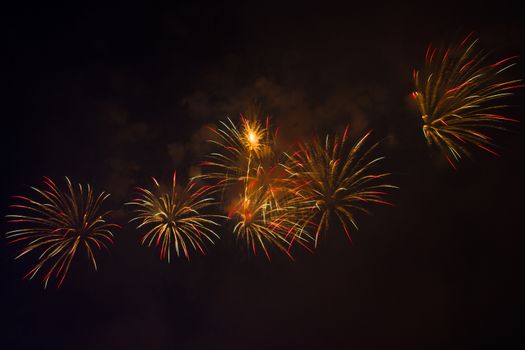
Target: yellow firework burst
{"points": [[246, 168], [333, 180], [176, 219], [58, 224], [239, 151], [259, 222], [457, 94]]}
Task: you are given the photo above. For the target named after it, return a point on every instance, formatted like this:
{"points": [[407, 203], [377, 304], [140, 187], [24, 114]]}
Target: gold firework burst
{"points": [[457, 94], [176, 219], [58, 224], [335, 179]]}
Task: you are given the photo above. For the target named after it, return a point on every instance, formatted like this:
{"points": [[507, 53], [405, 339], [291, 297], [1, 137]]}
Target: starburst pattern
{"points": [[254, 184], [457, 94], [176, 219], [58, 224], [335, 179]]}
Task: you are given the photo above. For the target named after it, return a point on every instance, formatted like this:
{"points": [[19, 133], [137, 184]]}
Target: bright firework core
{"points": [[253, 139], [253, 133]]}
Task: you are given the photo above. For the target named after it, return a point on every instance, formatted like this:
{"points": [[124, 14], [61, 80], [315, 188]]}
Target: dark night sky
{"points": [[111, 96]]}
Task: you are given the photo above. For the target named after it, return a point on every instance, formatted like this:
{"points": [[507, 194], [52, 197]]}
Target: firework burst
{"points": [[175, 220], [247, 170], [58, 224], [456, 94], [258, 223], [334, 179], [239, 152]]}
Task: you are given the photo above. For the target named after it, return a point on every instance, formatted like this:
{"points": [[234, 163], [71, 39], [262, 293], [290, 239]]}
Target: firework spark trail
{"points": [[247, 169], [58, 225], [333, 180], [239, 149], [257, 223], [176, 219], [455, 93]]}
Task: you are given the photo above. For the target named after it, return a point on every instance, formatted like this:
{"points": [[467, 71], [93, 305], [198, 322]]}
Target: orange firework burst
{"points": [[175, 219], [58, 224], [455, 94], [333, 180]]}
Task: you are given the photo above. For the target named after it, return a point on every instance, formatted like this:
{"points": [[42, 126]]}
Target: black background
{"points": [[111, 96]]}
